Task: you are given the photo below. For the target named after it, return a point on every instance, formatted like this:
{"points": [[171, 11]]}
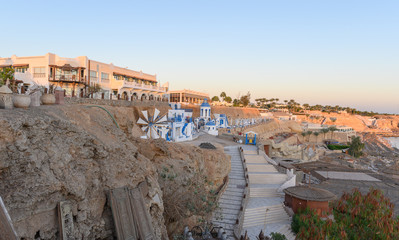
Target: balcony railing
{"points": [[143, 86], [39, 75], [67, 78]]}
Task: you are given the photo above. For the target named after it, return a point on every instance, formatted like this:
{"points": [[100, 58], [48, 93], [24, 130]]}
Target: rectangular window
{"points": [[93, 74], [104, 77], [39, 72], [21, 69]]}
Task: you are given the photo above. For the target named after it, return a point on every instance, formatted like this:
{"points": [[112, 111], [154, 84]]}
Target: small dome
{"points": [[310, 193], [205, 103]]}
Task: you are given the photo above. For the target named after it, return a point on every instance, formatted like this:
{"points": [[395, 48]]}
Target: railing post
{"points": [[102, 95]]}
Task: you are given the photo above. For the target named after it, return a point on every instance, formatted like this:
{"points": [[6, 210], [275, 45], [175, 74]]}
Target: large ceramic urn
{"points": [[48, 99], [5, 98], [21, 100], [35, 99]]}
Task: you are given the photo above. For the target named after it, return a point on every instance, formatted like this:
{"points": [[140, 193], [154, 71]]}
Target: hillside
{"points": [[77, 154]]}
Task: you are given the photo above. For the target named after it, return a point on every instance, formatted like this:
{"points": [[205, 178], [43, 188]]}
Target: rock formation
{"points": [[77, 154]]}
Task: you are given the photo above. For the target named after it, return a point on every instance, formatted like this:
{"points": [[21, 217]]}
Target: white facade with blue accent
{"points": [[207, 124], [210, 128], [181, 126], [221, 120], [205, 111]]}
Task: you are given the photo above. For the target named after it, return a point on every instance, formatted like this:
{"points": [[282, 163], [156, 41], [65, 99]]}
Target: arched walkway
{"points": [[124, 95]]}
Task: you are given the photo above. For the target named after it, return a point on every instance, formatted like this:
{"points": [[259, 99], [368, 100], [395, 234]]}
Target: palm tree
{"points": [[223, 95], [332, 129], [324, 131], [309, 133], [316, 134], [303, 135]]}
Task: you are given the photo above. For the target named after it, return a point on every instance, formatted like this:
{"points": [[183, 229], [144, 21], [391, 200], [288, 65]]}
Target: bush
{"points": [[296, 223], [356, 216], [337, 147], [277, 236]]}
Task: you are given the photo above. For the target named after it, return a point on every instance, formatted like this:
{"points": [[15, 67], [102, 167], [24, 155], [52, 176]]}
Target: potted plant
{"points": [[19, 98], [6, 74], [48, 98]]}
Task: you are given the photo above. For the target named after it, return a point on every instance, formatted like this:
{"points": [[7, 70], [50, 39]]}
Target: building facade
{"points": [[79, 76], [187, 96]]}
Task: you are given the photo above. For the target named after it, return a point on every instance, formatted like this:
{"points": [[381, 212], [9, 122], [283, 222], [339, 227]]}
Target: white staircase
{"points": [[259, 216], [264, 192]]}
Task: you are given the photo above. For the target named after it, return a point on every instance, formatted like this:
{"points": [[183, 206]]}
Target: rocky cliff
{"points": [[77, 154]]}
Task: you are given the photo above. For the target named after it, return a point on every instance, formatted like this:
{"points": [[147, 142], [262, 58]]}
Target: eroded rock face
{"points": [[189, 177], [48, 156], [77, 154]]}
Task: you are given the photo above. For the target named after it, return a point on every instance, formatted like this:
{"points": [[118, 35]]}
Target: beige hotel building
{"points": [[76, 75]]}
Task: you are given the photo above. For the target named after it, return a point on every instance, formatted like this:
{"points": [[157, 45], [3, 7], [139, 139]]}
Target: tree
{"points": [[244, 100], [306, 106], [223, 95], [324, 131], [215, 99], [309, 133], [6, 74], [356, 216], [332, 130], [316, 134], [303, 135], [356, 147], [227, 99]]}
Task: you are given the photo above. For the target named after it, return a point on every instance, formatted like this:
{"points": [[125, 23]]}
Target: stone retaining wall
{"points": [[117, 103]]}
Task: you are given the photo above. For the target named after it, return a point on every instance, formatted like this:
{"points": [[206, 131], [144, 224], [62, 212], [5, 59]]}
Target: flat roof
{"points": [[357, 176], [191, 92]]}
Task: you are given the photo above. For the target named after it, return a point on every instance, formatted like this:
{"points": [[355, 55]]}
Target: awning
{"points": [[66, 67], [6, 65], [21, 65]]}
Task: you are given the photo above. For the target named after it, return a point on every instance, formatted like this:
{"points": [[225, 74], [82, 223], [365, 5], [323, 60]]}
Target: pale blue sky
{"points": [[327, 52]]}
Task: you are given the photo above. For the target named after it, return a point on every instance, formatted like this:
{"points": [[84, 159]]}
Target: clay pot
{"points": [[48, 99], [21, 101], [5, 98], [35, 99]]}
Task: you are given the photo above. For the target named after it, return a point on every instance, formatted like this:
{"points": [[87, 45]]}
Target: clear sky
{"points": [[327, 52]]}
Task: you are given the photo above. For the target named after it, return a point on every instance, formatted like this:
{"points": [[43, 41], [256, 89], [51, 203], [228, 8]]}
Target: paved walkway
{"points": [[230, 202], [265, 209]]}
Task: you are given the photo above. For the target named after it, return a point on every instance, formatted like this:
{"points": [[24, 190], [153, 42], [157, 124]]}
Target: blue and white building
{"points": [[181, 125]]}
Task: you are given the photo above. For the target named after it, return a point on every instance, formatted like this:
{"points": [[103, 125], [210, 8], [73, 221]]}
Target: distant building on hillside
{"points": [[187, 96], [282, 116], [76, 75]]}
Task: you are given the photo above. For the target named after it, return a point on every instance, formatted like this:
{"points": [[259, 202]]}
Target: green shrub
{"points": [[337, 147], [277, 236]]}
